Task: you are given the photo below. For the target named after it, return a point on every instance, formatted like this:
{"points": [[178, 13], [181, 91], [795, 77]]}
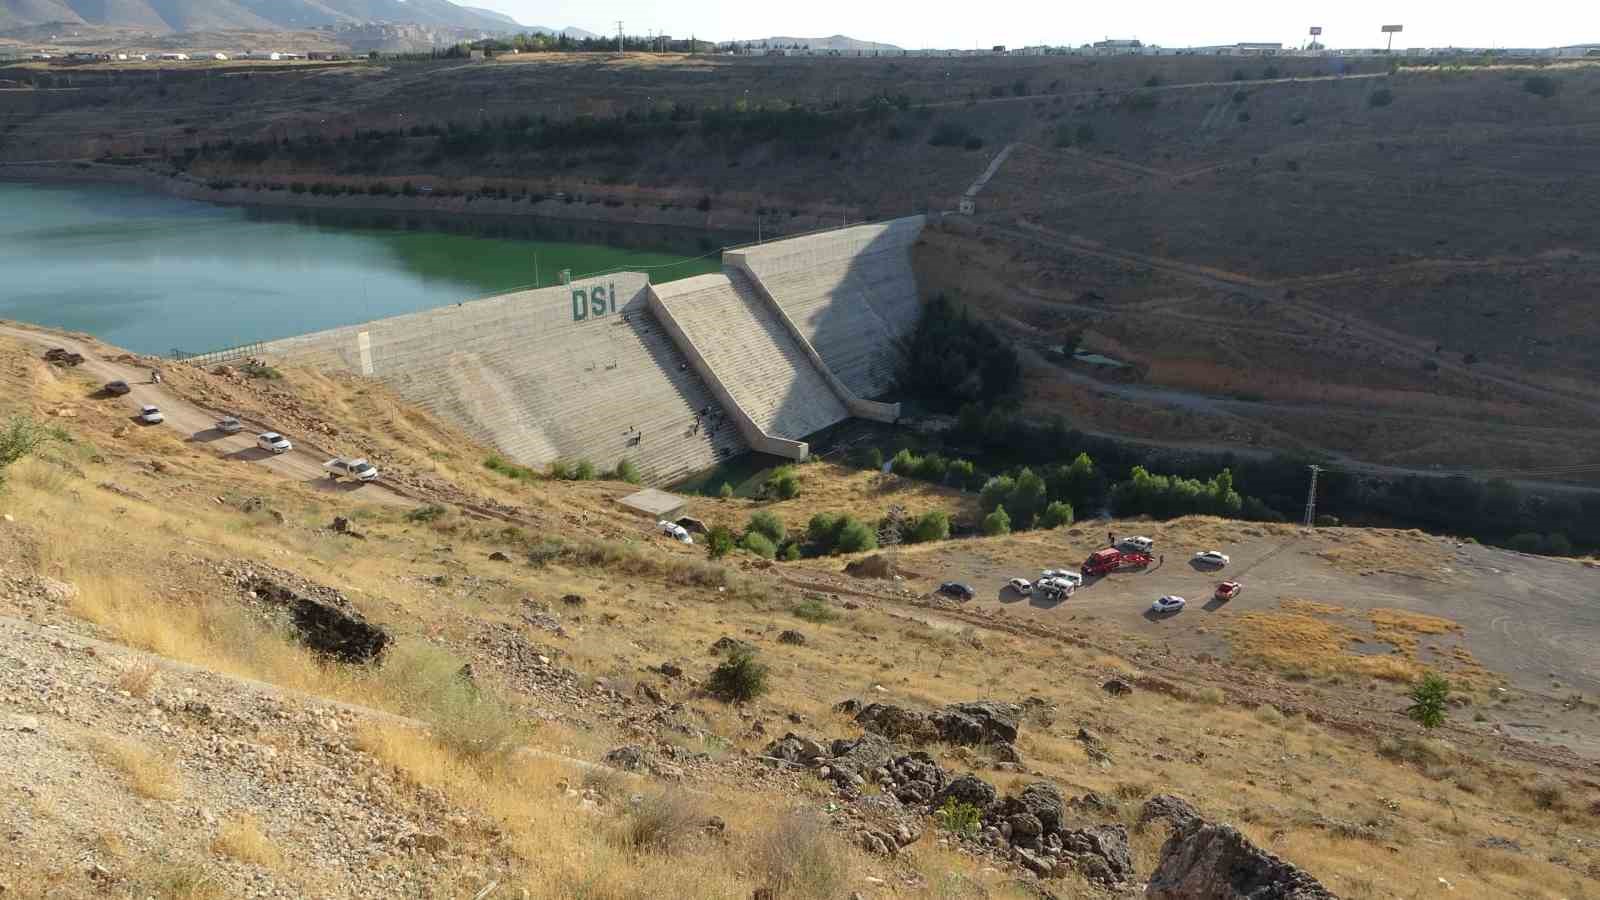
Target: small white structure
{"points": [[175, 57]]}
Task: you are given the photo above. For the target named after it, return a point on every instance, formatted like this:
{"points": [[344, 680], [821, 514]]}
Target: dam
{"points": [[791, 337]]}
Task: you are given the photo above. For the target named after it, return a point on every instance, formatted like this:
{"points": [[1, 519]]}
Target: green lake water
{"points": [[153, 273]]}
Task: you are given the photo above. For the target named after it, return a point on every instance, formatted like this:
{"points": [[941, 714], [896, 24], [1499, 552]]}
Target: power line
{"points": [[1311, 497]]}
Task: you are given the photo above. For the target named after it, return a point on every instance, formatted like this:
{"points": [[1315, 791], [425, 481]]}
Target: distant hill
{"points": [[254, 15], [836, 42]]}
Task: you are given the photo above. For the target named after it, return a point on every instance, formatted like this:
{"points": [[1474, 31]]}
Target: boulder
{"points": [[897, 723], [969, 789], [1042, 800], [848, 707], [978, 722], [1176, 811], [1216, 862], [1117, 687], [729, 645], [1025, 829], [573, 600], [792, 637], [629, 757], [341, 634], [796, 749], [1005, 753], [669, 670], [1099, 853], [858, 759]]}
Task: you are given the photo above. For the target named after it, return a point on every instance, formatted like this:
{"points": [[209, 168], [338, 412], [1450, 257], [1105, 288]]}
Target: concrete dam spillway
{"points": [[791, 337]]}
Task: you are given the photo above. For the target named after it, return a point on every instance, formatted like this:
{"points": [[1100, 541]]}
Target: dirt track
{"points": [[197, 423]]}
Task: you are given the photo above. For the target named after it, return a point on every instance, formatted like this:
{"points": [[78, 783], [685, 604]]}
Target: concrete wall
{"points": [[523, 373]]}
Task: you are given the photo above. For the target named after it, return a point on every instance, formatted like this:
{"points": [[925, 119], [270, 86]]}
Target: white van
{"points": [[1136, 544], [675, 531]]}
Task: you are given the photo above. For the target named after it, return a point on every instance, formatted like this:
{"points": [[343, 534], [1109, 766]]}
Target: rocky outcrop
{"points": [[1215, 862], [1176, 811], [968, 789], [1099, 853], [324, 627], [965, 724], [857, 761], [793, 748]]}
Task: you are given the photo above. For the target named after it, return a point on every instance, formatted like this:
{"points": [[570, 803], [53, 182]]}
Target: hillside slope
{"points": [[254, 15]]}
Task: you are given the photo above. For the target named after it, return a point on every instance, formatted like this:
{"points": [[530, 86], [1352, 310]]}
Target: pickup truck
{"points": [[359, 469]]}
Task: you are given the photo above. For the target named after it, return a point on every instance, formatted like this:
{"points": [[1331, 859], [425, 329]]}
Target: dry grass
{"points": [[139, 679], [148, 773], [241, 838]]}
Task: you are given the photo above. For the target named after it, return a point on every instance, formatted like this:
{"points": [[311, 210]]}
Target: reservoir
{"points": [[154, 274]]}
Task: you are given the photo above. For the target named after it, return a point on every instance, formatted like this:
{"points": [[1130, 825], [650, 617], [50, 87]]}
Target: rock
{"points": [[340, 524], [1005, 753], [1216, 862], [796, 749], [670, 670], [978, 722], [848, 707], [497, 556], [715, 825], [792, 637], [969, 789], [729, 645], [628, 757], [1117, 687], [1500, 843], [1039, 865], [343, 635], [1042, 800], [574, 600], [897, 723], [433, 844], [1099, 853], [1178, 812], [860, 757], [874, 566], [644, 691], [1025, 829]]}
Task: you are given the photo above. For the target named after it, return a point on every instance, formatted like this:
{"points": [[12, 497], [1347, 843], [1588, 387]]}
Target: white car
{"points": [[1211, 558], [1139, 544], [150, 415], [359, 469], [1021, 585], [1071, 576], [1054, 588], [675, 531], [273, 441], [229, 425], [1168, 604]]}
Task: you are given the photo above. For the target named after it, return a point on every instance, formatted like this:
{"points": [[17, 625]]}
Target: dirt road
{"points": [[197, 424]]}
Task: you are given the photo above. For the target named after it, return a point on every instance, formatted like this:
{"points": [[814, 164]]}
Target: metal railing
{"points": [[226, 354]]}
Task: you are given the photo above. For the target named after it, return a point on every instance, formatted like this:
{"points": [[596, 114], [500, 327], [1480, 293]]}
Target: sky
{"points": [[1017, 23]]}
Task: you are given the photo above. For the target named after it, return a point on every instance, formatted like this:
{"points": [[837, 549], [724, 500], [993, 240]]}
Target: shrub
{"points": [[997, 522], [814, 610], [951, 360], [1428, 699], [791, 552], [561, 469], [726, 491], [1380, 97], [719, 541], [1541, 85], [962, 472], [740, 678], [1057, 514], [426, 513], [823, 531], [959, 818], [627, 471], [855, 537], [868, 458], [257, 369], [1548, 794], [995, 492], [584, 471], [797, 858], [663, 822], [759, 544], [933, 525], [509, 469], [765, 523], [783, 483], [20, 438]]}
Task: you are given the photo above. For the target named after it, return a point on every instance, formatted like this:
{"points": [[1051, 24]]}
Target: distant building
{"points": [[1114, 46]]}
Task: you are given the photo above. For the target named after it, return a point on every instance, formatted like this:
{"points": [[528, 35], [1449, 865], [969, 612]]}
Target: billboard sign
{"points": [[1316, 30], [1393, 29]]}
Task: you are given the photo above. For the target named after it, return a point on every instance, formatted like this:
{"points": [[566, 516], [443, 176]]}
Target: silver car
{"points": [[273, 441]]}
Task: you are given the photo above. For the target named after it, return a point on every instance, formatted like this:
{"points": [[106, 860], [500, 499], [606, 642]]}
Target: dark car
{"points": [[117, 388], [957, 590]]}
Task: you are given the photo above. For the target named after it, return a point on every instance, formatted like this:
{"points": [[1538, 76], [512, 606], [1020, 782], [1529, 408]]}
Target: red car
{"points": [[1228, 590]]}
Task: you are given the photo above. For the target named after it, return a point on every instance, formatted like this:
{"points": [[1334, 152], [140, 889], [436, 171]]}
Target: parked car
{"points": [[957, 590], [117, 388], [1228, 590], [1054, 589], [359, 469], [229, 425], [273, 441], [1021, 585], [1064, 574], [150, 415], [1211, 558], [1136, 544], [675, 531], [1168, 604], [61, 356]]}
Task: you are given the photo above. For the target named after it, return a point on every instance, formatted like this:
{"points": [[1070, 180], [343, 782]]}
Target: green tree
{"points": [[933, 525], [1027, 498], [822, 532], [1056, 515], [764, 522], [726, 491], [784, 483], [719, 541], [997, 522], [740, 678], [855, 537], [996, 491], [20, 438], [759, 544], [1428, 700]]}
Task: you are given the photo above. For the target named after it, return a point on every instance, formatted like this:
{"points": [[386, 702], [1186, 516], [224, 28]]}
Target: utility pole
{"points": [[1311, 497], [619, 35]]}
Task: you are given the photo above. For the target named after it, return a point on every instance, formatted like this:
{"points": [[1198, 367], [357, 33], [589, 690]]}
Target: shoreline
{"points": [[728, 221]]}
